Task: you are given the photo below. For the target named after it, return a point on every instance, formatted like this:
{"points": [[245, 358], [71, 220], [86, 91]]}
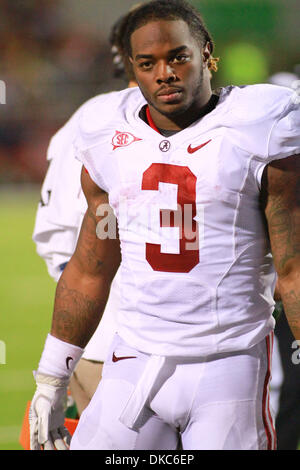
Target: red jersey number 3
{"points": [[184, 218]]}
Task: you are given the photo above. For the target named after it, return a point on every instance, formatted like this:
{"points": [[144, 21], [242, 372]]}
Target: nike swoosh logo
{"points": [[192, 150], [116, 359], [69, 358]]}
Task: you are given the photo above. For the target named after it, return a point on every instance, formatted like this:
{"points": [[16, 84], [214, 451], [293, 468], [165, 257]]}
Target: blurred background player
{"points": [[58, 221]]}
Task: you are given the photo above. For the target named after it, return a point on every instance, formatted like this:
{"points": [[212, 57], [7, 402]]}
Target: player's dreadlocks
{"points": [[170, 10]]}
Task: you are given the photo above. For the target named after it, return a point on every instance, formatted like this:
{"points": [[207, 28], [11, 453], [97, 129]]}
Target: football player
{"points": [[204, 185]]}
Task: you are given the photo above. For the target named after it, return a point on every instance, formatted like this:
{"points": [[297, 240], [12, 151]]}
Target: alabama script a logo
{"points": [[123, 139]]}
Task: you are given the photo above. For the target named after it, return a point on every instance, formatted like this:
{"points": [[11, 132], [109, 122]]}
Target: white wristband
{"points": [[59, 359]]}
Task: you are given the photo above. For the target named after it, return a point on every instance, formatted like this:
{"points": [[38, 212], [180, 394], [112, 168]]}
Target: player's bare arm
{"points": [[83, 288], [282, 184]]}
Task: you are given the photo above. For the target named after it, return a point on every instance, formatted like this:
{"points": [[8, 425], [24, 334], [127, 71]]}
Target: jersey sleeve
{"points": [[55, 247], [85, 157], [284, 136], [83, 147], [284, 139], [62, 205], [97, 122]]}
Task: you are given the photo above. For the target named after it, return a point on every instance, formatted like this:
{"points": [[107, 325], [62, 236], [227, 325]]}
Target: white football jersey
{"points": [[58, 221], [197, 276]]}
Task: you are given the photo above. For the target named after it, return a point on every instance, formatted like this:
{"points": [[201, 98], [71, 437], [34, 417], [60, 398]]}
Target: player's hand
{"points": [[47, 415]]}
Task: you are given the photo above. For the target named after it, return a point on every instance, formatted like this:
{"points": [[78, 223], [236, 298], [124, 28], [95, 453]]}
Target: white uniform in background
{"points": [[58, 221], [195, 335]]}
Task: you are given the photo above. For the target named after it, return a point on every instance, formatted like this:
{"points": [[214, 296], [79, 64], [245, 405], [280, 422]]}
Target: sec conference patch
{"points": [[123, 139]]}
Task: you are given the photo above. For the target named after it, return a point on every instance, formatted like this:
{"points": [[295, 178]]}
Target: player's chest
{"points": [[209, 162]]}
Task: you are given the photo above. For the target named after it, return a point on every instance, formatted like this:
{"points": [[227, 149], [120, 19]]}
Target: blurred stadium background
{"points": [[55, 55]]}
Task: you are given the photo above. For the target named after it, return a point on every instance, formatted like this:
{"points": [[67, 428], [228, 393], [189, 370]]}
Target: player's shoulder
{"points": [[100, 112], [254, 103], [65, 134]]}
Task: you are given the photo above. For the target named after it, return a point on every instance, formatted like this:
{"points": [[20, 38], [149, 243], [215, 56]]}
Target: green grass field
{"points": [[26, 300]]}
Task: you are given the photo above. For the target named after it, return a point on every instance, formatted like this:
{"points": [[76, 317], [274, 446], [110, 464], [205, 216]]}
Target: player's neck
{"points": [[176, 124]]}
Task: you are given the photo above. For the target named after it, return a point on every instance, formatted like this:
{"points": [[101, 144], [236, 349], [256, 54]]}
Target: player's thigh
{"points": [[231, 408], [99, 427], [222, 426]]}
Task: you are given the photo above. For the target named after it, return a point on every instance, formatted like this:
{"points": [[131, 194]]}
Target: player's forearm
{"points": [[281, 186], [290, 294], [79, 303]]}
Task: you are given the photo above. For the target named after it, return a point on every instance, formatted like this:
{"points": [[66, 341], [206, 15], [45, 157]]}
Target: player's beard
{"points": [[184, 107]]}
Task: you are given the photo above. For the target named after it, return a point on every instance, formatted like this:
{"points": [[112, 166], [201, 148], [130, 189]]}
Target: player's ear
{"points": [[208, 60], [206, 53]]}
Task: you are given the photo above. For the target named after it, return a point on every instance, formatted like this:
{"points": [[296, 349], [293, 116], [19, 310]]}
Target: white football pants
{"points": [[218, 403]]}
